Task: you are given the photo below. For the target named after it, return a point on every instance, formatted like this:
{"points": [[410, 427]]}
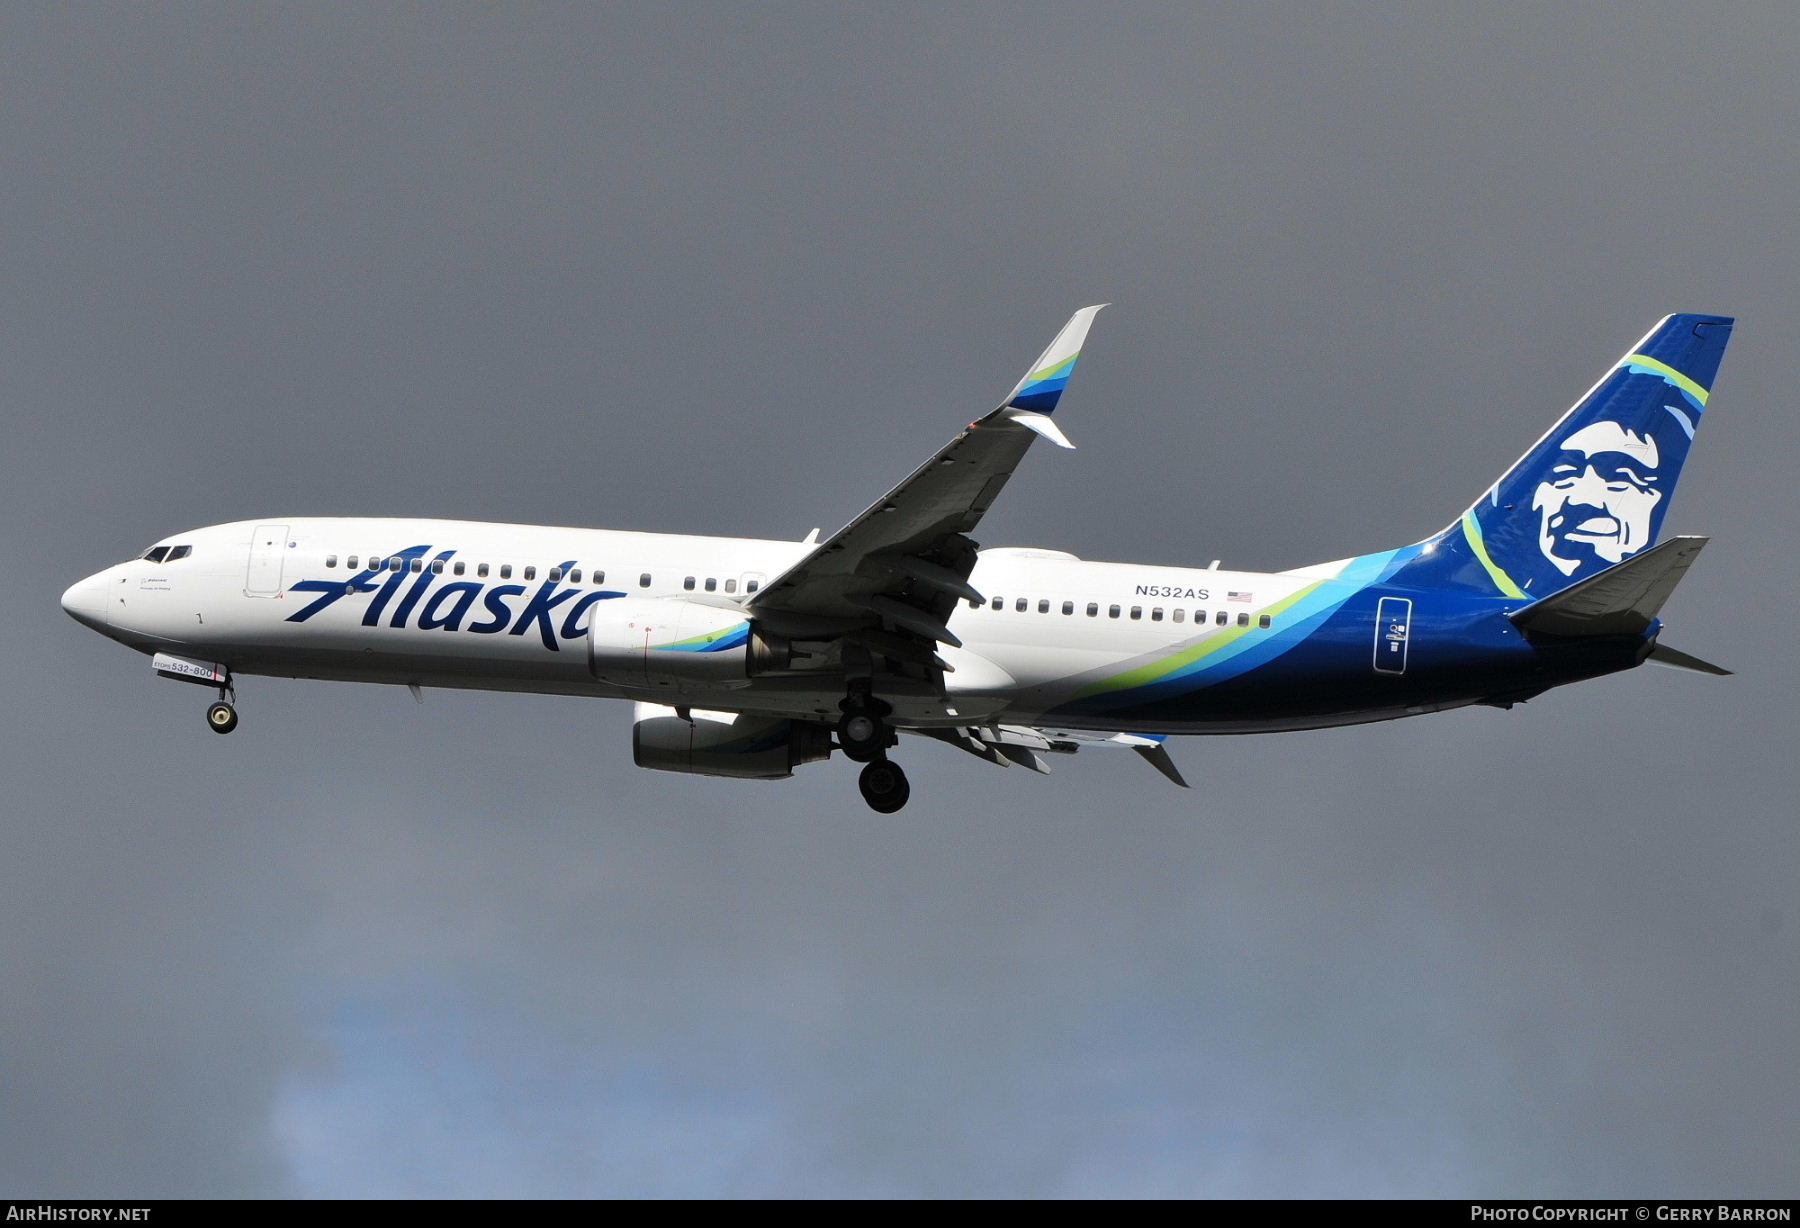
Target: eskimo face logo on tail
{"points": [[1595, 506], [555, 611], [1592, 494]]}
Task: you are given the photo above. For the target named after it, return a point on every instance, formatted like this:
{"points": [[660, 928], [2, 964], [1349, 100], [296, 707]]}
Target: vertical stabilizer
{"points": [[1594, 490]]}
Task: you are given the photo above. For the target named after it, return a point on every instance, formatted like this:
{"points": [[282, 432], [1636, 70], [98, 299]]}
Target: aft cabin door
{"points": [[267, 548]]}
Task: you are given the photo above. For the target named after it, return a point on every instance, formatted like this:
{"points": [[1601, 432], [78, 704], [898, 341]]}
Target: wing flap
{"points": [[1026, 745]]}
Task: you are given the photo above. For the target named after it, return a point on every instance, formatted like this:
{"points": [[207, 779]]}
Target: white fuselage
{"points": [[506, 607]]}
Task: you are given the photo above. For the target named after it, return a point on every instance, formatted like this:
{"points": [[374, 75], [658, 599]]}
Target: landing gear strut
{"points": [[221, 717], [864, 736], [862, 732]]}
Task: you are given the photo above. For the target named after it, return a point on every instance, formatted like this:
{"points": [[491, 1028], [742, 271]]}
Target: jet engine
{"points": [[724, 743]]}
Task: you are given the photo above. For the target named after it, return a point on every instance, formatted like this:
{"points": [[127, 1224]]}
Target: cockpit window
{"points": [[166, 554], [178, 552]]}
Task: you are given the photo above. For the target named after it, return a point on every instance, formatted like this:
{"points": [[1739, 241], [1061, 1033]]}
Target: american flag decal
{"points": [[1237, 596]]}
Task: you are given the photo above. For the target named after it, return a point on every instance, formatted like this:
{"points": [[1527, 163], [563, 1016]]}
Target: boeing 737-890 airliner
{"points": [[750, 658]]}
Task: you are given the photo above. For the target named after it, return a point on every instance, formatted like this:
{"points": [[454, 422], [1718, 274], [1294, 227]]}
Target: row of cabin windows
{"points": [[438, 567], [712, 583], [505, 570], [1022, 605]]}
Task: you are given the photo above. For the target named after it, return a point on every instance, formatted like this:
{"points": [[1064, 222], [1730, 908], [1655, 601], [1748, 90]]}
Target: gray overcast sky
{"points": [[732, 269]]}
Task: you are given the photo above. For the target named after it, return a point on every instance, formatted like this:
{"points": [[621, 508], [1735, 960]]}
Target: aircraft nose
{"points": [[85, 601]]}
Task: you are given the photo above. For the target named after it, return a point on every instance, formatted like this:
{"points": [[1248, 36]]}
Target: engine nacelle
{"points": [[724, 743], [642, 641]]}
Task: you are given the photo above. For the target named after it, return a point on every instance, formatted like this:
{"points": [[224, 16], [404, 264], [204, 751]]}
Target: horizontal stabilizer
{"points": [[1157, 756], [1676, 659], [1622, 600]]}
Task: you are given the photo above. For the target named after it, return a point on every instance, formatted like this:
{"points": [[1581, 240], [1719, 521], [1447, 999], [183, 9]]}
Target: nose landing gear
{"points": [[221, 716]]}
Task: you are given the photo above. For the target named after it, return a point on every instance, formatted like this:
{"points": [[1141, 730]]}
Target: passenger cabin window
{"points": [[712, 585], [456, 568], [437, 567], [481, 569], [1137, 611], [1093, 609], [644, 580], [574, 575], [1043, 605], [731, 586], [1068, 607], [1112, 611], [998, 603], [1020, 605], [1223, 618], [750, 586], [350, 563], [688, 584], [330, 561], [418, 565], [1243, 620], [506, 571], [1156, 615], [1263, 622], [555, 573], [599, 577], [531, 573], [395, 564], [1177, 615]]}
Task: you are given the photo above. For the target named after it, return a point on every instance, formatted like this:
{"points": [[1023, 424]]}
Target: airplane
{"points": [[751, 658]]}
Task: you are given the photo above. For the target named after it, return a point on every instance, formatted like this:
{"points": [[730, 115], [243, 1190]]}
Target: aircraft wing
{"points": [[889, 579]]}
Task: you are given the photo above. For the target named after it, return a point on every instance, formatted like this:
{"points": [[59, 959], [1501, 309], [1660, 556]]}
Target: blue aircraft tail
{"points": [[1594, 490]]}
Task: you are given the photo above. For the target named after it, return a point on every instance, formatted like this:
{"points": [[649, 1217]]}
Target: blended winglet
{"points": [[1043, 385]]}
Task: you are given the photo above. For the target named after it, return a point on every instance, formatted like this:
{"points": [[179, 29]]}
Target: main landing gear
{"points": [[883, 786], [864, 736], [221, 717]]}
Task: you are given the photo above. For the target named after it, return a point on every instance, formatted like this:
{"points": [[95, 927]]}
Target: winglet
{"points": [[1042, 388], [1043, 424]]}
